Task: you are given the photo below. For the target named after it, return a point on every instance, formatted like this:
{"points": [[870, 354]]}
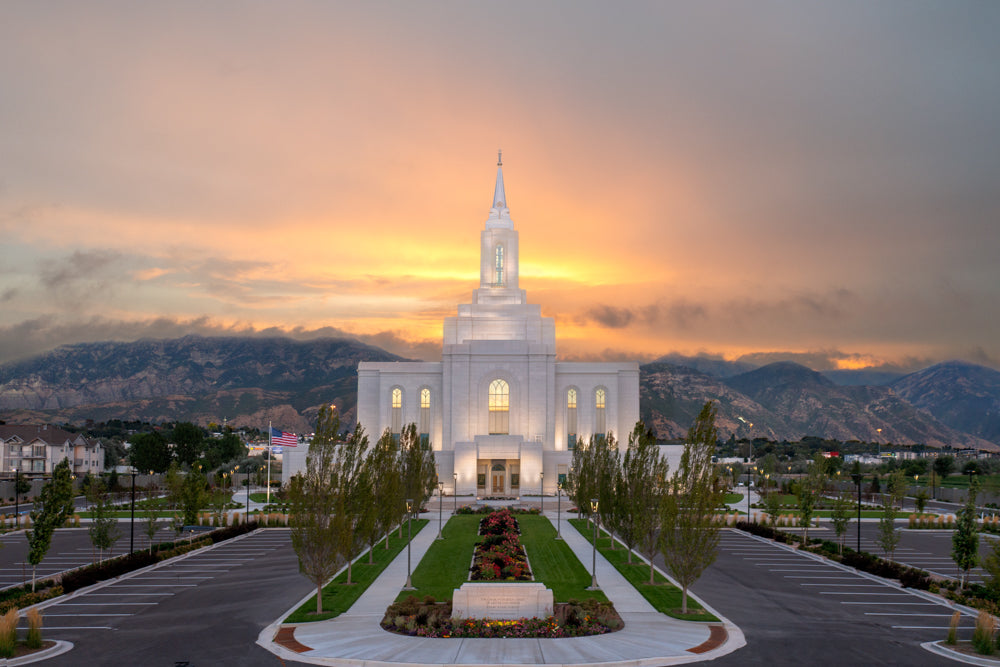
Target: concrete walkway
{"points": [[355, 638]]}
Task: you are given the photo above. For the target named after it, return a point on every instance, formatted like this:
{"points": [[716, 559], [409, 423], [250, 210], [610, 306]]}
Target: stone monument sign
{"points": [[502, 600]]}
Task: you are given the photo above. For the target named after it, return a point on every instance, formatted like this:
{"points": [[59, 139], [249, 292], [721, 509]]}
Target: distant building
{"points": [[35, 449]]}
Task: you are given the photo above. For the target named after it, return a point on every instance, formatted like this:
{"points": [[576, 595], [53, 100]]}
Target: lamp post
{"points": [[933, 488], [593, 563], [440, 508], [559, 511], [748, 492], [17, 498], [541, 490], [857, 477], [409, 542], [454, 491], [131, 525]]}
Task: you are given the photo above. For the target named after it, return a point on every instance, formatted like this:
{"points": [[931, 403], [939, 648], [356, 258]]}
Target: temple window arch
{"points": [[425, 417], [571, 398], [396, 404], [600, 414], [499, 407]]}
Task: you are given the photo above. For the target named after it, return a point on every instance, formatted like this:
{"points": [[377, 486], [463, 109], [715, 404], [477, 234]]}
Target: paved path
{"points": [[649, 637]]}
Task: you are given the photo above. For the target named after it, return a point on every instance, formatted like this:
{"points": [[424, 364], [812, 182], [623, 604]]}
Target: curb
{"points": [[59, 648], [937, 648]]}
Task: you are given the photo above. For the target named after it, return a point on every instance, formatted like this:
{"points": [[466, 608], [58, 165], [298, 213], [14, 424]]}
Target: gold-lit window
{"points": [[571, 419], [397, 410], [600, 423], [499, 408]]}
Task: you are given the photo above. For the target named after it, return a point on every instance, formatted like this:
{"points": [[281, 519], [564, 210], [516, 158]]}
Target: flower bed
{"points": [[500, 556], [429, 618]]}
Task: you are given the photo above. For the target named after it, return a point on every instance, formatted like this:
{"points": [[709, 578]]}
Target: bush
{"points": [[34, 638], [982, 636], [952, 637], [8, 633]]}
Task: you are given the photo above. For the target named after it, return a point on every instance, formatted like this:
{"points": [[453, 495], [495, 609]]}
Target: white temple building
{"points": [[501, 414]]}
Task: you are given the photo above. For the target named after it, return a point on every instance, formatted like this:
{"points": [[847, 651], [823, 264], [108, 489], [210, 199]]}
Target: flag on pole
{"points": [[283, 438]]}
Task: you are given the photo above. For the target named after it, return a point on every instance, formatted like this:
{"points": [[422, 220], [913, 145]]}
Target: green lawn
{"points": [[338, 596], [445, 566], [664, 596], [733, 498]]}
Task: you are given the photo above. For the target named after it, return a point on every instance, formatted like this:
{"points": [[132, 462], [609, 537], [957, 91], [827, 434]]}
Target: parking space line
{"points": [[898, 604], [898, 595], [850, 585], [896, 613]]}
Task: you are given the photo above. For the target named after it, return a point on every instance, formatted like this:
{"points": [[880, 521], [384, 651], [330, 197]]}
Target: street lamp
{"points": [[541, 489], [857, 477], [559, 511], [440, 508], [593, 563], [131, 525], [17, 499], [454, 491], [748, 491], [409, 538]]}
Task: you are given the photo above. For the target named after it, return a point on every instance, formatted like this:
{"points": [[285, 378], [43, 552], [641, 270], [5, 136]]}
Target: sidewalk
{"points": [[355, 638]]}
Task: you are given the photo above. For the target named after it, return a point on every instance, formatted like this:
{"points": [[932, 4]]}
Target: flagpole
{"points": [[269, 427]]}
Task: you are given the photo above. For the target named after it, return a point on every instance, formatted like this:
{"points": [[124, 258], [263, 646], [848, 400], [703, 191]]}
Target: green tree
{"points": [[227, 449], [149, 451], [418, 471], [193, 495], [920, 500], [353, 516], [51, 509], [772, 505], [188, 442], [897, 487], [888, 535], [965, 539], [581, 482], [152, 525], [174, 482], [810, 490], [690, 538], [103, 530], [385, 474], [638, 488], [313, 497], [841, 516], [944, 466]]}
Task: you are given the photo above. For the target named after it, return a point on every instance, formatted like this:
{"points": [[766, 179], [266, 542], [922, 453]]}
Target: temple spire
{"points": [[499, 197]]}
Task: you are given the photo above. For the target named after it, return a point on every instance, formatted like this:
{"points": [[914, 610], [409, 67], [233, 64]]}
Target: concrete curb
{"points": [[937, 648], [59, 648]]}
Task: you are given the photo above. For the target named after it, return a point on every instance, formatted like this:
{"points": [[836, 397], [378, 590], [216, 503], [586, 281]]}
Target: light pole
{"points": [[857, 477], [593, 563], [131, 525], [559, 511], [440, 508], [17, 498], [409, 538], [541, 490], [454, 491], [748, 492]]}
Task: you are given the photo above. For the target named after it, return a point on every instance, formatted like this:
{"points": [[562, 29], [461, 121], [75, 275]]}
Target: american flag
{"points": [[283, 438]]}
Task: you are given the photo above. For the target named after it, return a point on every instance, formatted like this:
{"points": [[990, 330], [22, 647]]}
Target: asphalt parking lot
{"points": [[795, 609]]}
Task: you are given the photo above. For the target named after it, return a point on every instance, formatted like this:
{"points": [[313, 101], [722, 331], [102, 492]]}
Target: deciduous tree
{"points": [[965, 539], [690, 537], [638, 488], [51, 509], [149, 451]]}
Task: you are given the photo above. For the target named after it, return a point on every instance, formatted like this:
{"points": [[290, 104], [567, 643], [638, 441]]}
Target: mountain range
{"points": [[251, 381]]}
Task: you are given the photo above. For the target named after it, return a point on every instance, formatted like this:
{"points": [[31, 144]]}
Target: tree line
{"points": [[350, 495], [650, 510], [187, 444]]}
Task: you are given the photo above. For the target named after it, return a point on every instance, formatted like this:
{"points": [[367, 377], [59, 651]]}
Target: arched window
{"points": [[397, 410], [571, 419], [499, 408], [600, 423], [498, 280], [425, 417]]}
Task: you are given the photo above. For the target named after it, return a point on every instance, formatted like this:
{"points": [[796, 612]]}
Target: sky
{"points": [[815, 181]]}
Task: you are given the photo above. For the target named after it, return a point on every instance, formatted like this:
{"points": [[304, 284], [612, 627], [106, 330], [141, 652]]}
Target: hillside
{"points": [[964, 396]]}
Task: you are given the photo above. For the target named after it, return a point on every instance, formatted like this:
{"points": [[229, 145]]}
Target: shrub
{"points": [[8, 633], [952, 637], [982, 636], [34, 638]]}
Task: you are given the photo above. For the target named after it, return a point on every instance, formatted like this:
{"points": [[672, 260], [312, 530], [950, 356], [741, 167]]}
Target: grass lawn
{"points": [[337, 596], [733, 498], [663, 595], [445, 566]]}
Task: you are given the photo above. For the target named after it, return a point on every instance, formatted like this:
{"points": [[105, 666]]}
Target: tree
{"points": [[51, 509], [897, 487], [149, 451], [313, 496], [103, 530], [188, 442], [228, 448], [174, 482], [192, 495], [888, 536], [353, 518], [920, 500], [965, 539], [581, 483], [810, 490], [418, 473], [638, 488], [841, 516], [772, 505], [151, 523], [690, 538], [944, 466], [384, 471]]}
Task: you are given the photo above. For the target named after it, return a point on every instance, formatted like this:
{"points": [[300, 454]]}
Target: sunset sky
{"points": [[817, 181]]}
